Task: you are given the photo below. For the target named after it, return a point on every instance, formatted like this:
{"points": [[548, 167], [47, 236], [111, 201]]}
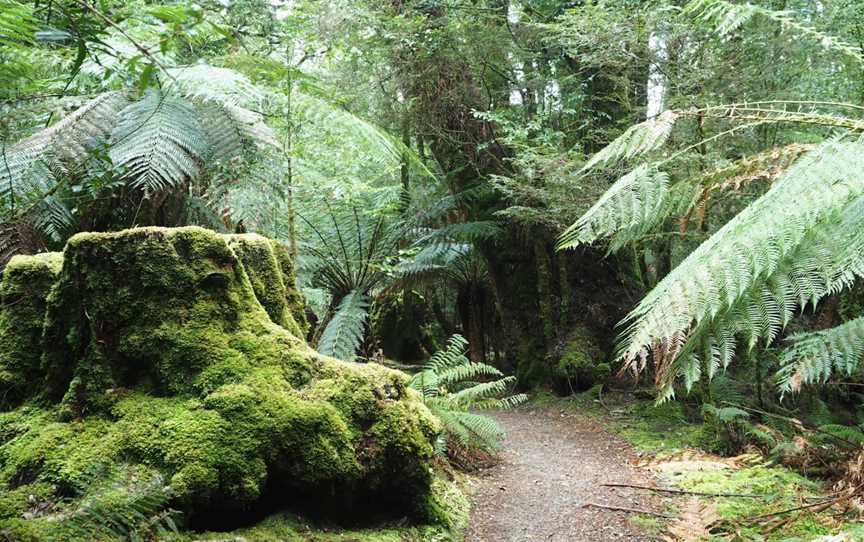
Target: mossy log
{"points": [[162, 355]]}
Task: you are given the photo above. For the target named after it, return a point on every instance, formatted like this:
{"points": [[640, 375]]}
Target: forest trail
{"points": [[552, 463]]}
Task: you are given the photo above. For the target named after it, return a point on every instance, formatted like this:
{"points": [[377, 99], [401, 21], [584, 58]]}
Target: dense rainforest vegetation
{"points": [[273, 264]]}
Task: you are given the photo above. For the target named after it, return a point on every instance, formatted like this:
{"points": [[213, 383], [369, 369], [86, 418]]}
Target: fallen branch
{"points": [[685, 492], [625, 509]]}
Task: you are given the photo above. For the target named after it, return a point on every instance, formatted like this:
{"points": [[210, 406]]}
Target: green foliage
{"points": [[813, 358], [727, 18], [158, 143], [344, 332], [631, 208], [449, 386]]}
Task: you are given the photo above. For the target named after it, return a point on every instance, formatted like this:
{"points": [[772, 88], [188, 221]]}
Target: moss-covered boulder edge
{"points": [[175, 357]]}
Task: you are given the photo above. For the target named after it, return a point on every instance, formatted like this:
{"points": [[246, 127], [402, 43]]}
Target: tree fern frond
{"points": [[224, 137], [252, 126], [813, 358], [462, 232], [25, 167], [344, 333], [17, 23], [159, 142], [638, 140], [53, 218], [213, 84], [748, 250], [766, 166], [433, 258], [727, 17], [828, 259], [630, 208]]}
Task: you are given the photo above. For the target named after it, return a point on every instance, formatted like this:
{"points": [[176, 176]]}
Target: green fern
{"points": [[726, 18], [17, 23], [122, 512], [344, 332], [447, 384], [159, 142], [25, 168], [638, 140], [632, 207], [751, 274], [813, 358]]}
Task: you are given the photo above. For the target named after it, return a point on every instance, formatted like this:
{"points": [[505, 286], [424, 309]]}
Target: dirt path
{"points": [[554, 462]]}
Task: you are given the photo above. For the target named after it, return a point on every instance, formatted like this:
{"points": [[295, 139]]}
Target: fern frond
{"points": [[466, 371], [225, 138], [629, 209], [451, 356], [433, 258], [344, 333], [482, 391], [25, 167], [752, 257], [17, 23], [638, 140], [159, 142], [813, 358], [461, 232], [504, 403], [468, 428], [766, 167], [208, 83], [727, 17]]}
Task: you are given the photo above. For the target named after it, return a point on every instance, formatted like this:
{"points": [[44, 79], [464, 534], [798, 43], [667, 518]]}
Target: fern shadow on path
{"points": [[552, 463]]}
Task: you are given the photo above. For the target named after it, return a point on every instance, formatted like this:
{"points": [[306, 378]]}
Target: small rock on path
{"points": [[552, 463]]}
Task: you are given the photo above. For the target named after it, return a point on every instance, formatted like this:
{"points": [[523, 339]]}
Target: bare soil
{"points": [[553, 463]]}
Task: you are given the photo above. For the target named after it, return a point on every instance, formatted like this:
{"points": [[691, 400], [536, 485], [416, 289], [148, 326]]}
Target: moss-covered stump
{"points": [[580, 363], [24, 289], [269, 268], [160, 364]]}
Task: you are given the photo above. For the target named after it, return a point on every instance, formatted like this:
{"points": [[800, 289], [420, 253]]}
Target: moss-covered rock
{"points": [[159, 357], [24, 289]]}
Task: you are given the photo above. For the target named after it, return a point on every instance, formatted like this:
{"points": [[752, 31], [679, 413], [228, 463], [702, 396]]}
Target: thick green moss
{"points": [[159, 356], [582, 363], [265, 272], [24, 288], [293, 298]]}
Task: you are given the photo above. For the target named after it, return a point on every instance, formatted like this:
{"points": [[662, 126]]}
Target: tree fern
{"points": [[25, 168], [344, 332], [629, 209], [638, 140], [813, 358], [752, 262], [159, 142], [207, 83], [726, 18], [17, 24]]}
